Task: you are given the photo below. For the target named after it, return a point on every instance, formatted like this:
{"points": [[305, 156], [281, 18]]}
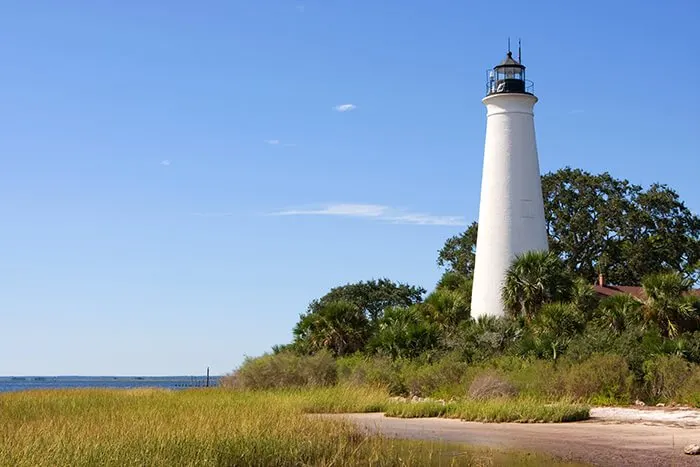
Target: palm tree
{"points": [[447, 308], [533, 279], [403, 332], [617, 312], [340, 327], [667, 302], [584, 297], [556, 324]]}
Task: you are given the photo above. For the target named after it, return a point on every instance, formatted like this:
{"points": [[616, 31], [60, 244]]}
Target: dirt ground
{"points": [[596, 442]]}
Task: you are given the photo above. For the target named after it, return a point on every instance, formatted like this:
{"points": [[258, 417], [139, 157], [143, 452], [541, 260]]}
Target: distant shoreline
{"points": [[21, 383]]}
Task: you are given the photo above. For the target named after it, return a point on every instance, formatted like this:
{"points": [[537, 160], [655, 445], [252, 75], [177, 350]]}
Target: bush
{"points": [[554, 327], [486, 337], [405, 333], [691, 346], [318, 369], [429, 379], [689, 392], [284, 369], [664, 376], [490, 386], [359, 370], [602, 379]]}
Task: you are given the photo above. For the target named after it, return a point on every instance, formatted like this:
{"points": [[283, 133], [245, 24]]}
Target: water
{"points": [[21, 383]]}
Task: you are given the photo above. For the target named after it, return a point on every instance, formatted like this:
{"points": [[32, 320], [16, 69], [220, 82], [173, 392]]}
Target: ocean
{"points": [[22, 383]]}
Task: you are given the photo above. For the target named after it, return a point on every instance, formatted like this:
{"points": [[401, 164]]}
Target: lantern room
{"points": [[508, 77]]}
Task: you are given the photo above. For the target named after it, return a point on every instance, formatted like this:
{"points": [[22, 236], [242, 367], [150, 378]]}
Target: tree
{"points": [[339, 327], [600, 224], [618, 312], [448, 308], [666, 236], [453, 280], [584, 297], [485, 337], [554, 327], [585, 216], [668, 304], [372, 297], [405, 333], [459, 252], [533, 279]]}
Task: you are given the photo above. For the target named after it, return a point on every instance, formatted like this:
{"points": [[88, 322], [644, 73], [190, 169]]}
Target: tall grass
{"points": [[493, 410], [209, 428]]}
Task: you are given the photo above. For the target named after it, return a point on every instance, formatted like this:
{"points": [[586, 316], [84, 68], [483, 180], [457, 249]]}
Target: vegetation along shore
{"points": [[609, 316]]}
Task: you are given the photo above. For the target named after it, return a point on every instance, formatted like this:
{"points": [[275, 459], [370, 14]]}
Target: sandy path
{"points": [[595, 442]]}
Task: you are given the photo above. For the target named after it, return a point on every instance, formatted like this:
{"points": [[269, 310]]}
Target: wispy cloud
{"points": [[344, 107], [276, 142], [165, 162], [376, 212]]}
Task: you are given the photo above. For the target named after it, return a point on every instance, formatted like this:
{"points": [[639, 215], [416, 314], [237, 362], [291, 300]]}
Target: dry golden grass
{"points": [[212, 427]]}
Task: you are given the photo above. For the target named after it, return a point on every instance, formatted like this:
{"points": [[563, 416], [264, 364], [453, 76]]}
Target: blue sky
{"points": [[147, 149]]}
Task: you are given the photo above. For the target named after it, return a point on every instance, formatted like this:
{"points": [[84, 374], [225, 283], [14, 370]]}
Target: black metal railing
{"points": [[516, 86]]}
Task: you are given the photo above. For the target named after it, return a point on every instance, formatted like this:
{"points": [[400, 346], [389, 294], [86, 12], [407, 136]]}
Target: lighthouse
{"points": [[511, 209]]}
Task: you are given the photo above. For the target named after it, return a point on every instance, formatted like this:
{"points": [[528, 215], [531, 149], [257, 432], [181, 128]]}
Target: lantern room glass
{"points": [[510, 72]]}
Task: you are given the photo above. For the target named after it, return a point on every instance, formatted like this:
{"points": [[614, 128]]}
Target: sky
{"points": [[178, 180]]}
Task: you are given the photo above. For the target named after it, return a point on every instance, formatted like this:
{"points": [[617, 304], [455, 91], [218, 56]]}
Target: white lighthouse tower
{"points": [[511, 210]]}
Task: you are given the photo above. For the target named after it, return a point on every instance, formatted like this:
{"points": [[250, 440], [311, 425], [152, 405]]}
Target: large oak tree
{"points": [[599, 224]]}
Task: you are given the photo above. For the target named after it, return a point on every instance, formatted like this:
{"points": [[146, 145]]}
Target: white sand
{"points": [[677, 416]]}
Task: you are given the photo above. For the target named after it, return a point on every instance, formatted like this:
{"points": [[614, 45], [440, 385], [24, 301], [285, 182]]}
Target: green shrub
{"points": [[360, 370], [432, 379], [584, 297], [486, 337], [405, 333], [318, 369], [689, 392], [664, 376], [537, 378], [691, 346], [554, 327], [282, 370], [594, 341], [617, 312], [600, 379], [447, 308]]}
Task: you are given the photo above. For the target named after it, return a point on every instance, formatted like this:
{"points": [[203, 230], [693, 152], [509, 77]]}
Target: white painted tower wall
{"points": [[511, 210]]}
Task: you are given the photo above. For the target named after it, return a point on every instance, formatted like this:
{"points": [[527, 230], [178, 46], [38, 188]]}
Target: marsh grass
{"points": [[213, 427], [492, 410], [340, 399]]}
